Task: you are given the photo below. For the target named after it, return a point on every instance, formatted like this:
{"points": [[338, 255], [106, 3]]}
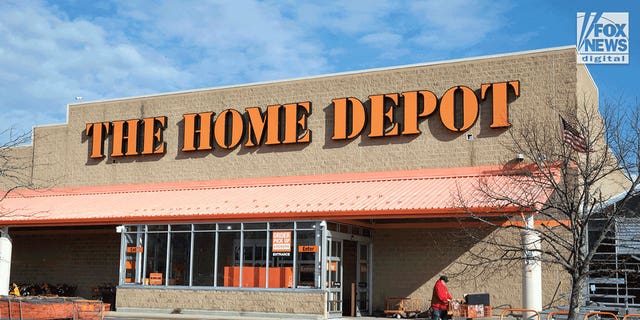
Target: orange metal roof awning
{"points": [[397, 194]]}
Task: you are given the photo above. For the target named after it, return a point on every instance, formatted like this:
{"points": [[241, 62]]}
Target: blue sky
{"points": [[54, 51]]}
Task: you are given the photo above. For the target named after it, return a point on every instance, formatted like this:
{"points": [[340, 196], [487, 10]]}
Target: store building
{"points": [[320, 196]]}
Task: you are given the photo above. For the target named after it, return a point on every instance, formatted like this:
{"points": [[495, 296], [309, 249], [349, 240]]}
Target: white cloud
{"points": [[236, 41], [47, 60], [54, 51], [390, 32], [382, 39], [455, 24], [354, 17]]}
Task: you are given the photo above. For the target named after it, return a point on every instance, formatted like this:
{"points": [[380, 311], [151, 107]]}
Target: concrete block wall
{"points": [[16, 167], [84, 257], [223, 300], [407, 263], [547, 79]]}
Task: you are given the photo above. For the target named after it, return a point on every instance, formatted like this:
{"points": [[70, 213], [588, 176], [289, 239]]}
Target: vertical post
{"points": [[531, 268], [353, 299], [139, 263], [5, 260], [123, 256], [324, 252]]}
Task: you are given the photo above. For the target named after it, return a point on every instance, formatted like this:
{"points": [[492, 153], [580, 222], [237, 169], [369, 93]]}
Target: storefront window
{"points": [[248, 255], [228, 226], [228, 257], [204, 244], [204, 226], [179, 254], [281, 259], [180, 227], [310, 225], [161, 227], [255, 226], [280, 225], [307, 250], [254, 262], [133, 255], [156, 257]]}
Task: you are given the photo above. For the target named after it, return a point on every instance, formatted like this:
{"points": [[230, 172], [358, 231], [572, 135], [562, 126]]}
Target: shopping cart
{"points": [[402, 307]]}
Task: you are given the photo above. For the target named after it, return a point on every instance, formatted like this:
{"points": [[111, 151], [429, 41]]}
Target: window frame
{"points": [[144, 230]]}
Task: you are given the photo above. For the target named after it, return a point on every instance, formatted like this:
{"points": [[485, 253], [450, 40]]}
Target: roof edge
{"points": [[454, 172]]}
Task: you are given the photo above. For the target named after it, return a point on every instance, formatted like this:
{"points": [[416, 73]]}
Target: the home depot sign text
{"points": [[457, 110]]}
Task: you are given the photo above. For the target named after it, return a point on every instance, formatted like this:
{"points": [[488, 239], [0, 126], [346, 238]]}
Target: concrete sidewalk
{"points": [[203, 314], [112, 315], [147, 313]]}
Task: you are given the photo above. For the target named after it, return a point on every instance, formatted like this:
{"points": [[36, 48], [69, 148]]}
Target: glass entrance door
{"points": [[362, 296], [348, 274], [132, 249], [334, 277]]}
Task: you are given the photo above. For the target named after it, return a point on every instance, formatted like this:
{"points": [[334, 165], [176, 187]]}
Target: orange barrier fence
{"points": [[599, 313], [511, 310], [552, 313]]}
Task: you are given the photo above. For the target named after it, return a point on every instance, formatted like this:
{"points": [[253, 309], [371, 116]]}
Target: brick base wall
{"points": [[223, 300]]}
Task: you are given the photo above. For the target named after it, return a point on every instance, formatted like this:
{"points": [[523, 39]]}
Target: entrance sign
{"points": [[281, 243], [307, 248], [135, 249]]}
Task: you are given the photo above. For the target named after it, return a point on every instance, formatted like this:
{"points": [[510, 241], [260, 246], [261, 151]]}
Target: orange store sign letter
{"points": [[459, 110], [385, 115], [279, 124], [126, 141]]}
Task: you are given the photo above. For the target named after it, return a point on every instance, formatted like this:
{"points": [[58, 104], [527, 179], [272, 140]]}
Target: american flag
{"points": [[573, 138]]}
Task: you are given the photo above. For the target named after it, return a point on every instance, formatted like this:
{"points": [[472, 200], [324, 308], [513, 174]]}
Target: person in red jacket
{"points": [[440, 299]]}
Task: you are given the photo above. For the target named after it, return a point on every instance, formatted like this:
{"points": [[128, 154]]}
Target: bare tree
{"points": [[573, 163], [15, 162]]}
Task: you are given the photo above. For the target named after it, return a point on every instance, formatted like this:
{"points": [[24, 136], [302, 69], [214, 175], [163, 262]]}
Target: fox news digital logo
{"points": [[603, 38]]}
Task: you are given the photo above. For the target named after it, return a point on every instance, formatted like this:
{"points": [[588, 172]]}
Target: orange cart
{"points": [[469, 311], [402, 307]]}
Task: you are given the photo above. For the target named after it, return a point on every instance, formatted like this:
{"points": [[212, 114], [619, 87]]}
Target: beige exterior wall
{"points": [[61, 152], [223, 300], [408, 262], [15, 167], [587, 93]]}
